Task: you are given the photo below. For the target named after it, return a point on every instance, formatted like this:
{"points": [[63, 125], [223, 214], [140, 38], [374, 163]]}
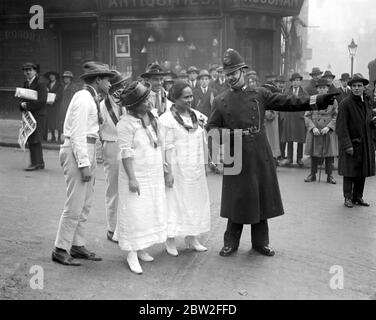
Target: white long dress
{"points": [[142, 220], [188, 201]]}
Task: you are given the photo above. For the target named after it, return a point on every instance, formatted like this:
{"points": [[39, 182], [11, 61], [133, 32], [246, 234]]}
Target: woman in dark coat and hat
{"points": [[53, 86], [355, 129], [250, 191]]}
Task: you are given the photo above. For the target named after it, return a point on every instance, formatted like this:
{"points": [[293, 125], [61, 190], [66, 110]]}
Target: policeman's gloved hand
{"points": [[325, 100], [23, 106]]}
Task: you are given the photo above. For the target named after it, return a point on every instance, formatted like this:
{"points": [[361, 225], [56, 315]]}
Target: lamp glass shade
{"points": [[144, 50], [353, 47], [180, 39], [151, 39]]}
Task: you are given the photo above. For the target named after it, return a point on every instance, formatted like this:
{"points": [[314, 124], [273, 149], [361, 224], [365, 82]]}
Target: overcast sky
{"points": [[339, 22]]}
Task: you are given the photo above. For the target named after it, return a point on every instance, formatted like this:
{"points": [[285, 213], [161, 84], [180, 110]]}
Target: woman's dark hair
{"points": [[177, 89]]}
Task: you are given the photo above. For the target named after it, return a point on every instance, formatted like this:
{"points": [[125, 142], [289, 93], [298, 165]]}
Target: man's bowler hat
{"points": [[316, 72], [154, 69], [358, 78], [328, 74], [296, 76]]}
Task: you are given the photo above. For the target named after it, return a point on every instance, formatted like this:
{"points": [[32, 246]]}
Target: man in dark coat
{"points": [[293, 124], [344, 89], [355, 129], [316, 75], [38, 110], [329, 76], [251, 194], [221, 84]]}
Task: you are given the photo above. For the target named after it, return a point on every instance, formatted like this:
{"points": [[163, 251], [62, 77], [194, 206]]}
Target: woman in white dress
{"points": [[142, 218], [187, 190]]}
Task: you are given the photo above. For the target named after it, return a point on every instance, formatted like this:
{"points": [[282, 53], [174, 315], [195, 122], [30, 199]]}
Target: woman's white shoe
{"points": [[133, 262], [192, 243], [144, 256], [171, 247]]}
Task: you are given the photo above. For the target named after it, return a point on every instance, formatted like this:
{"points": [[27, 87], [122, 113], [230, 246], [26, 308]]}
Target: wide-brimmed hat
{"points": [[134, 94], [328, 74], [358, 77], [316, 72], [193, 69], [170, 76], [68, 74], [345, 77], [322, 83], [118, 79], [295, 76], [153, 69], [47, 74], [96, 69], [204, 73], [233, 61]]}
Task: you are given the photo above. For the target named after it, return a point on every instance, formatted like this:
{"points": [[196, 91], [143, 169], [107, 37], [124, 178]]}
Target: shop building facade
{"points": [[129, 34]]}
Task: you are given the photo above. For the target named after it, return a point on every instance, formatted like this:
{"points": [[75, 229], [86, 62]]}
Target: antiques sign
{"points": [[139, 5]]}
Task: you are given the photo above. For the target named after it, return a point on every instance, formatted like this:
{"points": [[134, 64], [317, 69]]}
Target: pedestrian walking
{"points": [[293, 124], [187, 189], [329, 76], [355, 128], [53, 110], [112, 111], [38, 109], [78, 159], [251, 196], [142, 213], [322, 140], [69, 89]]}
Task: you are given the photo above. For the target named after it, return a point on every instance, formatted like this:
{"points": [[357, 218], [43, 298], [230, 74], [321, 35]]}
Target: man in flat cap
{"points": [[39, 110], [78, 159], [251, 196]]}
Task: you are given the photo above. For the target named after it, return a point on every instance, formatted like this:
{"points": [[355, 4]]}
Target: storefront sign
{"points": [[281, 7], [133, 5]]}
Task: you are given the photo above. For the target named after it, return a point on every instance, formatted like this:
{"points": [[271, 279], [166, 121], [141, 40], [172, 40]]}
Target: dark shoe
{"points": [[286, 163], [349, 203], [227, 251], [360, 202], [110, 236], [331, 180], [300, 163], [63, 257], [310, 178], [83, 253], [266, 251], [32, 167]]}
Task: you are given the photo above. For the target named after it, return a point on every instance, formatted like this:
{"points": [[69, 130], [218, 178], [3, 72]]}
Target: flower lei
{"points": [[153, 121], [196, 122]]}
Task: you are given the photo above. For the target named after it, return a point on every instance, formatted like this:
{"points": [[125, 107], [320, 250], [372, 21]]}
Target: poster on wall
{"points": [[122, 46]]}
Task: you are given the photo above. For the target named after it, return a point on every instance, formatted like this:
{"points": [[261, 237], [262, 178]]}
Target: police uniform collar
{"points": [[243, 88]]}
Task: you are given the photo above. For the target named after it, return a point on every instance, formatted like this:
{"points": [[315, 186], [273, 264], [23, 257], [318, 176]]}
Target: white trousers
{"points": [[71, 231], [111, 171]]}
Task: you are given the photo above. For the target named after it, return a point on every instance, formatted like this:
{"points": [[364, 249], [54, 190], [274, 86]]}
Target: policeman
{"points": [[251, 196]]}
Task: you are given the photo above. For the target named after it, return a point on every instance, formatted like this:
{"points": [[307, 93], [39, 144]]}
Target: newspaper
{"points": [[27, 128], [33, 95]]}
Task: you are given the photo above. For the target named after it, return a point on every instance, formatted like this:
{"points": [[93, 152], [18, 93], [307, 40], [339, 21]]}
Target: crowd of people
{"points": [[158, 148]]}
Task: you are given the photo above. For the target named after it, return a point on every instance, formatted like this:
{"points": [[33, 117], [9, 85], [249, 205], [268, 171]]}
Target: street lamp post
{"points": [[353, 47]]}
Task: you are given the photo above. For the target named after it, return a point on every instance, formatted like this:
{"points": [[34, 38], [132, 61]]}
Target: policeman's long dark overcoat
{"points": [[253, 195], [354, 129]]}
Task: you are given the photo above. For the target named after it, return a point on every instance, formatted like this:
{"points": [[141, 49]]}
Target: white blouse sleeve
{"points": [[126, 133], [167, 132]]}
